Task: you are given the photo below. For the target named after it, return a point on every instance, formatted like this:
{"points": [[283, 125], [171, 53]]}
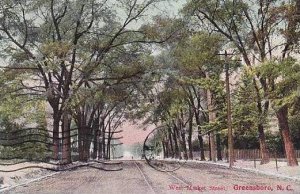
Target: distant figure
{"points": [[131, 157]]}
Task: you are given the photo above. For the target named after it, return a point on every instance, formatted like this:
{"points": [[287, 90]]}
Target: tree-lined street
{"points": [[210, 80]]}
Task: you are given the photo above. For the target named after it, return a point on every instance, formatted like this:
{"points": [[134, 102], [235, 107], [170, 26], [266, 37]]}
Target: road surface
{"points": [[139, 178]]}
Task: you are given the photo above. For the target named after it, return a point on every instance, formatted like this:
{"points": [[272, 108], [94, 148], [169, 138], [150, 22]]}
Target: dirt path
{"points": [[138, 177]]}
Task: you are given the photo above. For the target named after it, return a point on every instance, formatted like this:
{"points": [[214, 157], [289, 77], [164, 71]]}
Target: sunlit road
{"points": [[138, 178]]}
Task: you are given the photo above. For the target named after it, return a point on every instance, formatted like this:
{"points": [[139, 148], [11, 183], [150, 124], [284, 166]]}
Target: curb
{"points": [[296, 179]]}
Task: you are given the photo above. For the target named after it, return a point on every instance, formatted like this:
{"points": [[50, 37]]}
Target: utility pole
{"points": [[229, 122]]}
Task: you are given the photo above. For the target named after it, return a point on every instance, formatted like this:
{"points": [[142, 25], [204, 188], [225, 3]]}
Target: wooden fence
{"points": [[245, 154]]}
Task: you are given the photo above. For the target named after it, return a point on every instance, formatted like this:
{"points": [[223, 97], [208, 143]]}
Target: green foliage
{"points": [[245, 112], [284, 78], [19, 143], [17, 112], [199, 53], [275, 144]]}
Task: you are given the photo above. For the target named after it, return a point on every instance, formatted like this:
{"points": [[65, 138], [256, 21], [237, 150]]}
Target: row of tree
{"points": [[261, 44], [87, 60]]}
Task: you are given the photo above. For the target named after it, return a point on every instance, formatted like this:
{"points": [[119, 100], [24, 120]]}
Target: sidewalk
{"points": [[284, 171]]}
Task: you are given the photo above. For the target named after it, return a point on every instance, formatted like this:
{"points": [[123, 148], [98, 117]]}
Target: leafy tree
{"points": [[283, 94], [183, 96], [23, 132], [251, 27], [62, 44]]}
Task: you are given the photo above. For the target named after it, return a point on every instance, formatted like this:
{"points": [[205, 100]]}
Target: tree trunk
{"points": [[200, 138], [262, 140], [108, 146], [103, 142], [167, 148], [66, 143], [265, 158], [96, 128], [219, 149], [209, 147], [109, 138], [282, 116], [86, 144], [83, 147], [201, 144], [183, 145], [190, 141], [100, 141], [89, 140], [80, 145], [171, 153], [56, 120], [164, 149], [212, 118], [177, 151], [80, 140]]}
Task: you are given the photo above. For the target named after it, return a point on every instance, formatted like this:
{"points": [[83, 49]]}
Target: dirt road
{"points": [[138, 178]]}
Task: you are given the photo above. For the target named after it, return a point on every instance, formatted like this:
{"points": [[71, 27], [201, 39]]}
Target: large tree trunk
{"points": [[183, 145], [167, 148], [164, 146], [83, 142], [172, 152], [56, 121], [175, 139], [86, 143], [89, 140], [80, 140], [54, 103], [282, 116], [200, 138], [201, 144], [265, 158], [66, 143], [262, 140]]}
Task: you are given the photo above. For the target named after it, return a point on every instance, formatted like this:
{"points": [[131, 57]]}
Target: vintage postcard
{"points": [[149, 96]]}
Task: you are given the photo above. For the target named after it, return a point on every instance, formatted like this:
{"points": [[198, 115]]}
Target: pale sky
{"points": [[134, 133]]}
